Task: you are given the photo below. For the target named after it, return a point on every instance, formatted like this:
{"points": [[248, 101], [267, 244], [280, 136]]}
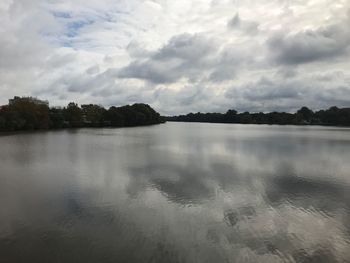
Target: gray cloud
{"points": [[269, 90], [311, 45], [136, 50], [193, 57], [179, 56], [267, 95], [230, 60], [184, 56], [287, 72], [250, 27], [276, 93]]}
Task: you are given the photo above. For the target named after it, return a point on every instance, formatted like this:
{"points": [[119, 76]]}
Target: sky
{"points": [[179, 56]]}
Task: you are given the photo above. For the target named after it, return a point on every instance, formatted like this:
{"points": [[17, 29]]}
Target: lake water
{"points": [[177, 192]]}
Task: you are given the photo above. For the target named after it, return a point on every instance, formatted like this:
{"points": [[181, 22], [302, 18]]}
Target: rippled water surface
{"points": [[176, 193]]}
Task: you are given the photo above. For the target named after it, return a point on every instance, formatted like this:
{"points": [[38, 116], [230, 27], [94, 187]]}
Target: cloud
{"points": [[191, 57], [184, 56], [179, 56], [230, 60], [275, 93], [332, 41], [246, 26]]}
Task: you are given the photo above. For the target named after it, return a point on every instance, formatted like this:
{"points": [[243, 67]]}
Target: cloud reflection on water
{"points": [[177, 193]]}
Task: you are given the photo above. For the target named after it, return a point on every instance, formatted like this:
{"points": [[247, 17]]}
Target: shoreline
{"points": [[15, 132], [267, 124]]}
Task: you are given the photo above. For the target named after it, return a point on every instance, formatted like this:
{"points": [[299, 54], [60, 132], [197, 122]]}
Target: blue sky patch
{"points": [[74, 27], [62, 14]]}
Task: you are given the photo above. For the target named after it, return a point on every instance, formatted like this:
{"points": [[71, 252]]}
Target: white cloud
{"points": [[201, 55]]}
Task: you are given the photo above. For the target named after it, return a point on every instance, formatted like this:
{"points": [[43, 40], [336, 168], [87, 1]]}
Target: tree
{"points": [[31, 113], [57, 120], [93, 115], [305, 114], [115, 117], [231, 116], [73, 114], [27, 114]]}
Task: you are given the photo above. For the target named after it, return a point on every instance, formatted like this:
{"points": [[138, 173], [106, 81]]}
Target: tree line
{"points": [[27, 113], [333, 116]]}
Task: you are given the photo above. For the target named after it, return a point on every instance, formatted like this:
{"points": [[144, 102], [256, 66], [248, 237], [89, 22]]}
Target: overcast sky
{"points": [[178, 55]]}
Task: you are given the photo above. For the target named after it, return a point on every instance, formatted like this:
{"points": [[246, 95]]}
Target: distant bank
{"points": [[333, 116], [28, 113]]}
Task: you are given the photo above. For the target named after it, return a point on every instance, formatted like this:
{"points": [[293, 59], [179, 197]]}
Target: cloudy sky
{"points": [[178, 55]]}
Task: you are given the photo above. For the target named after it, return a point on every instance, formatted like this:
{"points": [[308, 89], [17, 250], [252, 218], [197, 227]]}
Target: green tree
{"points": [[305, 115], [93, 115], [74, 115], [56, 118], [115, 117]]}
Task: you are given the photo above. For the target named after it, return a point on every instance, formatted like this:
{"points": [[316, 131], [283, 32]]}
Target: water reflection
{"points": [[176, 193], [308, 191], [185, 183]]}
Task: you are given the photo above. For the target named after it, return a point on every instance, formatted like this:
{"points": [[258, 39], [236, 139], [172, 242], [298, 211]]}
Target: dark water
{"points": [[176, 193]]}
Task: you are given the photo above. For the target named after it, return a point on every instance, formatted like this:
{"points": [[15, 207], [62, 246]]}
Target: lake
{"points": [[177, 192]]}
